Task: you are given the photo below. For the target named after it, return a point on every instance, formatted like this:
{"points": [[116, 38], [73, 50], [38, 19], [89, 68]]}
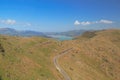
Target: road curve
{"points": [[58, 67]]}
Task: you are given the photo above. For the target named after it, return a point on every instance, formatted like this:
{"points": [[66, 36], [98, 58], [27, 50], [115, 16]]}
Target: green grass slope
{"points": [[26, 58]]}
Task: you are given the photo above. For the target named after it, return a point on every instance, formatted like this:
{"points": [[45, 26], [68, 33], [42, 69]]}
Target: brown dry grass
{"points": [[94, 57]]}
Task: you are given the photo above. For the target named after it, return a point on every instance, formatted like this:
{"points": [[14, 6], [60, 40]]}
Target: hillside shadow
{"points": [[0, 78]]}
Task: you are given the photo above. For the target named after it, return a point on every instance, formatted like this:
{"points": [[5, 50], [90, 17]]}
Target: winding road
{"points": [[58, 67]]}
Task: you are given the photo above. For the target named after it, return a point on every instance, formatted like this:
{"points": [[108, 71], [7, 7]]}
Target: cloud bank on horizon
{"points": [[102, 21]]}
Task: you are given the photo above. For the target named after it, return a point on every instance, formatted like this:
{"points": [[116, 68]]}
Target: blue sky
{"points": [[59, 15]]}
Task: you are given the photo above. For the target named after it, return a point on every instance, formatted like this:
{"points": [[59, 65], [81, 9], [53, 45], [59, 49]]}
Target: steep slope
{"points": [[96, 56]]}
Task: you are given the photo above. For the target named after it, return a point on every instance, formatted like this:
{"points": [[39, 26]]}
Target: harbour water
{"points": [[61, 37]]}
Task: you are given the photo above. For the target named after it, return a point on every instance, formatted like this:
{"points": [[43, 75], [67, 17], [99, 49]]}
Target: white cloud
{"points": [[102, 21], [76, 22], [8, 21], [106, 21], [86, 23], [28, 24], [13, 22], [82, 23]]}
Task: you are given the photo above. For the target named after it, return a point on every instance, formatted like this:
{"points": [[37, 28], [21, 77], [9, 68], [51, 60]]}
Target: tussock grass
{"points": [[95, 56]]}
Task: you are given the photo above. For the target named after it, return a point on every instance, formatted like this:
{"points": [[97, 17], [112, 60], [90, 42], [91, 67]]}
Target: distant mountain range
{"points": [[67, 33], [13, 32], [27, 33]]}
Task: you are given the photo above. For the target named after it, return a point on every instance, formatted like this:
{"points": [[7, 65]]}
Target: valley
{"points": [[95, 55]]}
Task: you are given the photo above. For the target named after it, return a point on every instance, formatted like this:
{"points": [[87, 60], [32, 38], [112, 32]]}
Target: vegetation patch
{"points": [[89, 34]]}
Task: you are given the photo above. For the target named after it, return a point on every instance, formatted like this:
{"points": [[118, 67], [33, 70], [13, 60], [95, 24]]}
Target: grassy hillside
{"points": [[95, 56], [26, 58]]}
